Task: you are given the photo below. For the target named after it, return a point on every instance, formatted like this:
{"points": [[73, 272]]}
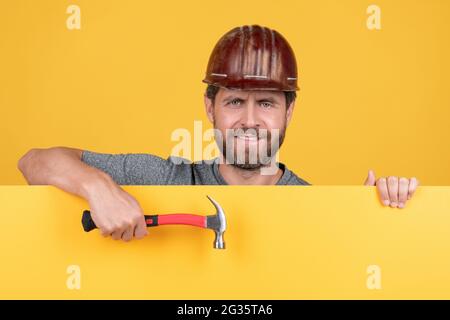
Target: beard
{"points": [[247, 155]]}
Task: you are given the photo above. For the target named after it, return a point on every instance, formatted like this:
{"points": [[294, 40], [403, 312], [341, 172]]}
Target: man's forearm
{"points": [[61, 167], [115, 212]]}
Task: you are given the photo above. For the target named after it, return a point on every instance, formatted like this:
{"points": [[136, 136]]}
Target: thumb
{"points": [[370, 181]]}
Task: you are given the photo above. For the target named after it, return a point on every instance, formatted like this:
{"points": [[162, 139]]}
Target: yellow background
{"points": [[295, 247], [132, 75]]}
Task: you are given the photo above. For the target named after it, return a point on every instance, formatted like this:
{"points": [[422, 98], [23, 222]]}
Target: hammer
{"points": [[216, 222]]}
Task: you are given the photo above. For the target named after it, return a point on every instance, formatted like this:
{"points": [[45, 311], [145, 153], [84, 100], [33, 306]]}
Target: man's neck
{"points": [[235, 175]]}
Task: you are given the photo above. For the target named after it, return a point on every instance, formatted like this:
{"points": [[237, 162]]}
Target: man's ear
{"points": [[209, 108], [289, 112]]}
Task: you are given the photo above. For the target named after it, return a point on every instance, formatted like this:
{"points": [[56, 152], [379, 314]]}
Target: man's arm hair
{"points": [[61, 167]]}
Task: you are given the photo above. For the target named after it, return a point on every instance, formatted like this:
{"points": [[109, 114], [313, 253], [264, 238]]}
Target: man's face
{"points": [[249, 121]]}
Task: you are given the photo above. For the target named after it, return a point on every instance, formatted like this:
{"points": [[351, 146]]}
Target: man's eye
{"points": [[235, 102], [266, 105]]}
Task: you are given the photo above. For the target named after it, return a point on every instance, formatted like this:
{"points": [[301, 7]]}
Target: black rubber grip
{"points": [[88, 223]]}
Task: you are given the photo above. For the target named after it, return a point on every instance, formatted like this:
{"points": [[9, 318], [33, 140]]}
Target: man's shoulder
{"points": [[186, 163], [201, 172], [176, 160], [290, 178], [296, 180]]}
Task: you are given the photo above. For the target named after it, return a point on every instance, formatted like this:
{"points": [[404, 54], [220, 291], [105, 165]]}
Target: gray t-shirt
{"points": [[148, 169]]}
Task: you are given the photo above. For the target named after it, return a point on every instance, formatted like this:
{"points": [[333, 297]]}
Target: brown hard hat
{"points": [[252, 58]]}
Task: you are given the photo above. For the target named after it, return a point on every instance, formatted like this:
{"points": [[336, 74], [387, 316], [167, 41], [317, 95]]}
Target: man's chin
{"points": [[241, 159], [247, 166]]}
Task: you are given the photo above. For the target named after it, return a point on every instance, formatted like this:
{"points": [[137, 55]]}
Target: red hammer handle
{"points": [[176, 218], [155, 220]]}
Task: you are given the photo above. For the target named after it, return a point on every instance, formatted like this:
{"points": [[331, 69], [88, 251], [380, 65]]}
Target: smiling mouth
{"points": [[247, 137]]}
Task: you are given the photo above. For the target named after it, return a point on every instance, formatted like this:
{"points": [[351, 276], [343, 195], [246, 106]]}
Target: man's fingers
{"points": [[127, 235], [106, 232], [403, 185], [141, 229], [396, 191], [116, 235], [370, 180], [392, 183], [413, 184], [383, 191]]}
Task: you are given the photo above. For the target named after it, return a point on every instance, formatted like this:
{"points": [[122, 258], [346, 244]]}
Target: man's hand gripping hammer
{"points": [[216, 222]]}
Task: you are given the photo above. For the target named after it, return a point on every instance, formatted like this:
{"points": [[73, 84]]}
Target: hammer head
{"points": [[218, 223]]}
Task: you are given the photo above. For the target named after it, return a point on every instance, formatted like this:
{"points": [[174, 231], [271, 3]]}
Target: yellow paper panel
{"points": [[288, 242]]}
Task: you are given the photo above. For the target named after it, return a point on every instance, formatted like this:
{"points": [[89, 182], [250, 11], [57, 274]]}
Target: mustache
{"points": [[260, 133]]}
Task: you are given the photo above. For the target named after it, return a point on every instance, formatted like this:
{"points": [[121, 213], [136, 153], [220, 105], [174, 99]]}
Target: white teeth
{"points": [[251, 137]]}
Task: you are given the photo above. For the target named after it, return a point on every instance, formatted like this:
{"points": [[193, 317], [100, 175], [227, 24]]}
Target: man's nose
{"points": [[251, 117]]}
